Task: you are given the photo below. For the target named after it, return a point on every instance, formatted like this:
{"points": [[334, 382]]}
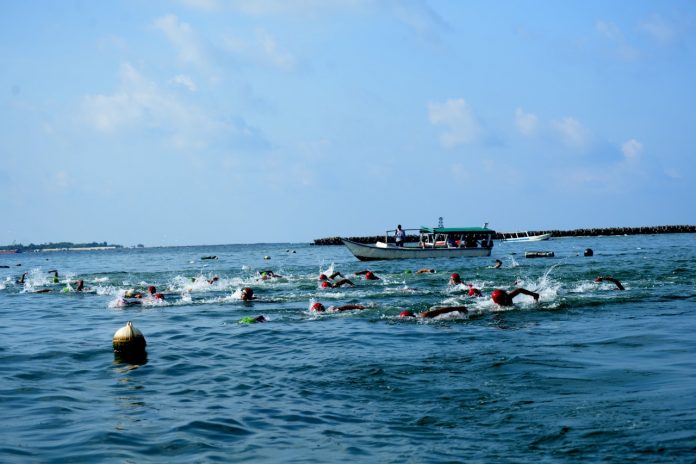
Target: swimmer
{"points": [[21, 279], [152, 291], [320, 308], [332, 276], [455, 279], [130, 293], [247, 294], [252, 320], [503, 298], [473, 291], [124, 302], [612, 280], [435, 311], [498, 264], [265, 275], [213, 280], [369, 275], [55, 276], [81, 286], [425, 271], [339, 283]]}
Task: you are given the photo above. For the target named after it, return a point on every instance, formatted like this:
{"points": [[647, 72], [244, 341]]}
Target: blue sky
{"points": [[222, 121]]}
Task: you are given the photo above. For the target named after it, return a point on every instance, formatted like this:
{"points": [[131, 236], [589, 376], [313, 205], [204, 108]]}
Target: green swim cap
{"points": [[407, 271], [248, 320], [66, 290]]}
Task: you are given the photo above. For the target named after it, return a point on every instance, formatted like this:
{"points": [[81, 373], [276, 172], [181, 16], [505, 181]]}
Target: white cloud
{"points": [[571, 131], [631, 148], [673, 173], [526, 123], [262, 49], [273, 7], [185, 81], [207, 5], [420, 17], [61, 179], [460, 172], [270, 50], [182, 36], [658, 29], [459, 123], [622, 49], [609, 30], [141, 104]]}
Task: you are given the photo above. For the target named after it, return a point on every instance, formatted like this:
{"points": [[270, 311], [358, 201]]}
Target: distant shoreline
{"points": [[58, 246], [594, 232]]}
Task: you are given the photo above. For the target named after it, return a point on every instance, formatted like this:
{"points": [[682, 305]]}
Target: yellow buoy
{"points": [[129, 340]]}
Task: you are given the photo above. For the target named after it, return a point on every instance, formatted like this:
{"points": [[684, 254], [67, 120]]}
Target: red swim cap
{"points": [[317, 307], [322, 277], [498, 296], [474, 291], [151, 289], [369, 275], [455, 277], [159, 296], [406, 313], [325, 284]]}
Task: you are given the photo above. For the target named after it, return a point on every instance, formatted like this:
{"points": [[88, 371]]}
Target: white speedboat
{"points": [[440, 242], [523, 237]]}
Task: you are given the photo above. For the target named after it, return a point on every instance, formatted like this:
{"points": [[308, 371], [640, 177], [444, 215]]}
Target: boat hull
{"points": [[372, 252], [532, 238]]}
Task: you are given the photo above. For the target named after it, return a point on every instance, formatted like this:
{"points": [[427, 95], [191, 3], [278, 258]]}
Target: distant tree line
{"points": [[31, 246]]}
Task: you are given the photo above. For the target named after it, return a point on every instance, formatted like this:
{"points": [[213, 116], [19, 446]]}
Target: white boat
{"points": [[523, 237], [441, 242]]}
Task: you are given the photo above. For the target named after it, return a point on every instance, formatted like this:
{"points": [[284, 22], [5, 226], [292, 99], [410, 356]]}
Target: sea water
{"points": [[587, 374]]}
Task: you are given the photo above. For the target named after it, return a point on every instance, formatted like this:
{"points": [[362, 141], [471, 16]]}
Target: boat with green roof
{"points": [[433, 242]]}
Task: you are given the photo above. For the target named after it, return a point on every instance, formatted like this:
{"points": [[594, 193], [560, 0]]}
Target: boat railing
{"points": [[442, 240]]}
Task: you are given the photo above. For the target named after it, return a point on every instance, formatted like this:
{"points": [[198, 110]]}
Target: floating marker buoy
{"points": [[588, 252], [539, 254], [129, 341]]}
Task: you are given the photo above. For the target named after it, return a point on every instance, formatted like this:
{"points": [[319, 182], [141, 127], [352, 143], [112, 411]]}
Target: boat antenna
{"points": [[439, 222], [485, 225]]}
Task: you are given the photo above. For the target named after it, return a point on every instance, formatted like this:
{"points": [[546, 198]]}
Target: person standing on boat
{"points": [[399, 236]]}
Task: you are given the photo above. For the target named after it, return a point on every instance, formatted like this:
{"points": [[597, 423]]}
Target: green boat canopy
{"points": [[456, 230]]}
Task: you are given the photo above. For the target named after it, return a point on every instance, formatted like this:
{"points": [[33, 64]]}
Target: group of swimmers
{"points": [[333, 280], [499, 296], [79, 284]]}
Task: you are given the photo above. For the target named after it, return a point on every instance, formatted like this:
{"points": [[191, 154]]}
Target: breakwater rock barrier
{"points": [[593, 232]]}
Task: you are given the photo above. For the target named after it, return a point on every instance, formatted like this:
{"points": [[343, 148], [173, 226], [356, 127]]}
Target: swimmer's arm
{"points": [[438, 310], [350, 306]]}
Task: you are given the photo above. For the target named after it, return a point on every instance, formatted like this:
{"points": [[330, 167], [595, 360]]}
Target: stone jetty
{"points": [[594, 232]]}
